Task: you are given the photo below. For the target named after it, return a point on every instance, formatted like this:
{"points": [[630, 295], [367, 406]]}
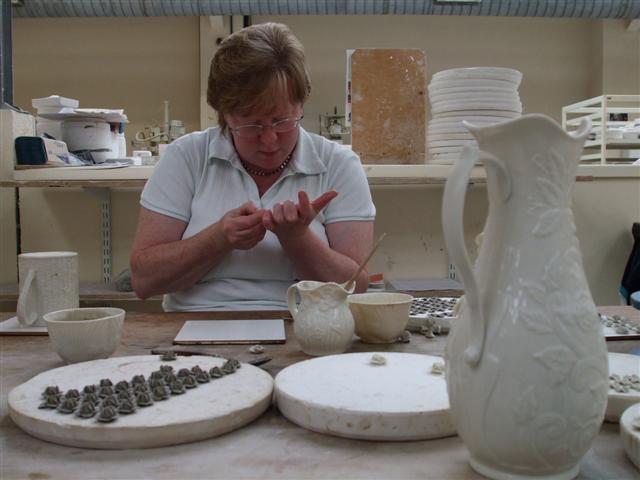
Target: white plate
{"points": [[494, 73], [450, 143], [630, 435], [475, 105], [438, 137], [456, 122], [445, 90], [474, 97], [451, 130], [622, 364], [445, 159], [348, 396], [481, 115], [472, 83], [493, 99], [437, 150]]}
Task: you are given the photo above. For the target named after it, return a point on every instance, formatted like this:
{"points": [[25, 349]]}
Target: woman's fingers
{"points": [[277, 214], [267, 220], [300, 214], [290, 211], [323, 200]]}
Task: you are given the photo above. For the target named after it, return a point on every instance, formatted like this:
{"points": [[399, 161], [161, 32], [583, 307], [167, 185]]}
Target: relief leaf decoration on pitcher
{"points": [[525, 406], [558, 360], [551, 201], [549, 306]]}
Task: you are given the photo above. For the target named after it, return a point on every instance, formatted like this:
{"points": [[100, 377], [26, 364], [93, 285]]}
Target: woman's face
{"points": [[265, 148]]}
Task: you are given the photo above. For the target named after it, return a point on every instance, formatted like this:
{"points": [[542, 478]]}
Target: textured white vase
{"points": [[527, 371], [48, 282]]}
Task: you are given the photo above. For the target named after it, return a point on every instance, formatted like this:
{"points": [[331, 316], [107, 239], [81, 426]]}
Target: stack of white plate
{"points": [[480, 95]]}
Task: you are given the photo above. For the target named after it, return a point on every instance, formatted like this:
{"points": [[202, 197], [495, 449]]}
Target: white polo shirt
{"points": [[200, 178]]}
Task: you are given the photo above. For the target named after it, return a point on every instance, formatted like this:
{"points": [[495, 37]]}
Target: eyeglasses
{"points": [[254, 131]]}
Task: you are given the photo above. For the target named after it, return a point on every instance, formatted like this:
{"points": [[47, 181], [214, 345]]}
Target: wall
{"points": [[136, 63], [553, 54], [620, 58], [130, 63]]}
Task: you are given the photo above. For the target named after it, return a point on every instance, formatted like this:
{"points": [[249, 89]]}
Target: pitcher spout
{"points": [[531, 123]]}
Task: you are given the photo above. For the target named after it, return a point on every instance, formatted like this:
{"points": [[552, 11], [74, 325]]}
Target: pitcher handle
{"points": [[291, 300], [24, 297], [452, 222]]}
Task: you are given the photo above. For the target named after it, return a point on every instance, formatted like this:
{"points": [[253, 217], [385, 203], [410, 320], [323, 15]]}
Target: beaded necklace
{"points": [[265, 173]]}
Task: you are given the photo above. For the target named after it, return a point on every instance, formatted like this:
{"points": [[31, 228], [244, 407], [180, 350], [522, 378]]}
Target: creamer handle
{"points": [[452, 222], [29, 317], [291, 300]]}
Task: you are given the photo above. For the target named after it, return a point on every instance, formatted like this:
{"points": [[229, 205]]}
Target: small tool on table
{"points": [[187, 352]]}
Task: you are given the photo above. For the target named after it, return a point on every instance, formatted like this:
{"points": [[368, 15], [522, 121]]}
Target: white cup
{"points": [[48, 282]]}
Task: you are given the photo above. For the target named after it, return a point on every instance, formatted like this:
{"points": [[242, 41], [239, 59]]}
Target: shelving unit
{"points": [[377, 175], [102, 181], [89, 292], [603, 148]]}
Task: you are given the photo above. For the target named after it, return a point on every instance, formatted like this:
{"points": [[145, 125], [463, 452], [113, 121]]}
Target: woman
{"points": [[234, 215]]}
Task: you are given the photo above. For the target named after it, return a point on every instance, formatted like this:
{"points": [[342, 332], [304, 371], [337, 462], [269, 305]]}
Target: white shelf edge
{"points": [[376, 172], [83, 173]]}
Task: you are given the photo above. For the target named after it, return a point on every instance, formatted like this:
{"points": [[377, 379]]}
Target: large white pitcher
{"points": [[527, 370], [322, 323]]}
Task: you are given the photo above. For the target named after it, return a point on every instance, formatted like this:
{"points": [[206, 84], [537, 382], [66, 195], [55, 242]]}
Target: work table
{"points": [[271, 446]]}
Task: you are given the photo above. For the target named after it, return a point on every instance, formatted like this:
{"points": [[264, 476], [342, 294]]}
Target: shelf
{"points": [[378, 175], [89, 292], [69, 177], [619, 143], [99, 292], [600, 110]]}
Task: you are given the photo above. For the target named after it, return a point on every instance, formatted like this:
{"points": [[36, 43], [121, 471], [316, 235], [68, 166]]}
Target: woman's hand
{"points": [[289, 220], [243, 227]]}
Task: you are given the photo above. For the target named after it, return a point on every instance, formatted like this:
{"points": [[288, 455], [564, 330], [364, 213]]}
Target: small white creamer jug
{"points": [[527, 370], [322, 323]]}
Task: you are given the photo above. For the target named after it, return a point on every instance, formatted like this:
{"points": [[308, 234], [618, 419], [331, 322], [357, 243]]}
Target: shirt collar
{"points": [[305, 156]]}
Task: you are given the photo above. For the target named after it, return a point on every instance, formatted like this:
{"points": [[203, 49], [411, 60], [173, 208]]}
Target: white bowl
{"points": [[83, 334], [380, 317]]}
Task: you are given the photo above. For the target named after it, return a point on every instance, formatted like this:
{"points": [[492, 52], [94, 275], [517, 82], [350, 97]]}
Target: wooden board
{"points": [[388, 105], [209, 410], [347, 396]]}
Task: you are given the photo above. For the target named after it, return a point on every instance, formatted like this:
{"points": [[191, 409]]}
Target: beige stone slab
{"points": [[348, 396], [211, 409], [388, 105]]}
